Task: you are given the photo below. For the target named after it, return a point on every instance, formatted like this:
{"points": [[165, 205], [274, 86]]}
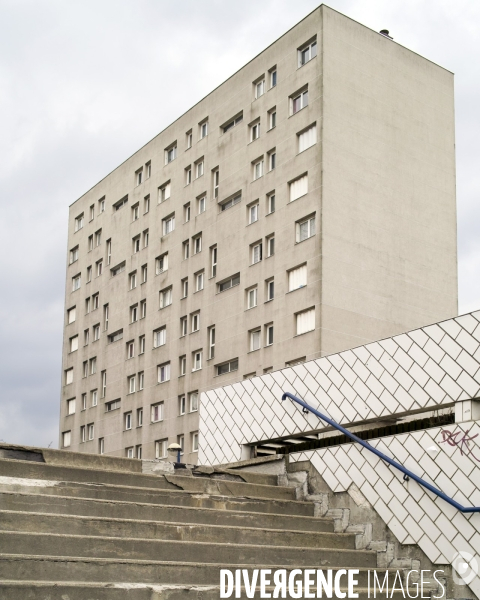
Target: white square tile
{"points": [[361, 353], [451, 327], [467, 342], [398, 529], [361, 370], [434, 332], [403, 341], [452, 389], [418, 355], [382, 509], [419, 337], [420, 397], [349, 357], [468, 363], [388, 382], [467, 322], [435, 391], [375, 349], [468, 384], [434, 351], [435, 372], [389, 345]]}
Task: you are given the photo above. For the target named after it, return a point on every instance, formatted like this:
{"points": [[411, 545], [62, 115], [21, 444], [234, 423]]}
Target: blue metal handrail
{"points": [[406, 472]]}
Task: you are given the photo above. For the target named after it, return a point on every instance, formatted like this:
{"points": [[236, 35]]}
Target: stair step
{"points": [[148, 549], [20, 521], [78, 590], [156, 512], [45, 473], [73, 569]]}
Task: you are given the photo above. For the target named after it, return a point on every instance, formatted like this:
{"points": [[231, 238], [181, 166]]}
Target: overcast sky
{"points": [[84, 84]]}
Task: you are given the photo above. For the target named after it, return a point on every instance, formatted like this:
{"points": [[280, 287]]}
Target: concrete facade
{"points": [[380, 259]]}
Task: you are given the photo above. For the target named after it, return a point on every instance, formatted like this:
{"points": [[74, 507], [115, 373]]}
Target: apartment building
{"points": [[305, 206]]}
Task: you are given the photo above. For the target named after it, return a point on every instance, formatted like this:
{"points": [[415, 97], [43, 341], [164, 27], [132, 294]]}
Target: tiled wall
{"points": [[432, 366]]}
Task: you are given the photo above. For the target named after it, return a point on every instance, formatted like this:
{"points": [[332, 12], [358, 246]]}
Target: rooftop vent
{"points": [[386, 33]]}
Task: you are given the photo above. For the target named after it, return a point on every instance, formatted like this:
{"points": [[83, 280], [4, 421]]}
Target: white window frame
{"points": [[269, 333], [201, 204], [168, 224], [258, 169], [162, 263], [193, 401], [199, 281], [197, 357], [259, 88], [163, 372], [270, 289], [132, 384], [211, 342], [306, 53], [161, 448], [307, 138], [255, 131], [195, 322], [164, 192], [304, 229], [160, 337], [305, 321], [166, 297], [298, 101], [156, 410], [257, 253], [170, 153], [297, 277], [270, 243], [255, 340], [66, 439], [298, 187], [199, 168], [252, 297], [128, 420]]}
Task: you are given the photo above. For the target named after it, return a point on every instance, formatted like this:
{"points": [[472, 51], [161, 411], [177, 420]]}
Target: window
{"points": [[96, 332], [120, 204], [298, 187], [87, 305], [93, 365], [270, 289], [184, 284], [255, 340], [307, 138], [160, 337], [253, 213], [85, 368], [145, 238], [141, 381], [259, 87], [135, 212], [164, 372], [272, 159], [272, 118], [71, 314], [183, 326], [203, 129], [139, 176], [213, 260], [133, 280], [146, 204], [161, 448], [252, 297], [226, 204], [131, 384], [71, 406], [232, 122], [128, 420], [255, 131], [197, 243], [162, 263], [134, 313], [136, 244], [305, 229], [188, 175], [66, 439], [94, 397], [211, 342], [164, 192], [195, 441], [168, 224], [118, 269], [144, 273], [105, 317], [76, 281], [182, 405], [267, 370], [181, 443], [90, 242], [298, 101], [68, 376], [157, 412], [130, 349], [228, 283], [101, 445], [186, 249], [305, 321], [86, 337], [272, 74], [186, 212], [215, 181], [270, 203], [143, 309], [295, 361], [129, 452], [256, 250], [138, 451], [257, 169], [193, 401], [84, 401], [113, 405], [199, 168], [82, 433], [201, 204], [227, 367], [114, 337], [99, 267], [142, 343], [98, 237], [109, 251], [95, 301], [183, 365], [188, 139], [92, 212], [269, 334], [306, 53], [79, 222], [139, 417], [73, 343], [197, 360], [101, 205], [89, 274], [148, 170], [90, 428], [195, 321], [199, 281], [104, 383], [73, 254], [297, 278], [270, 240], [170, 153]]}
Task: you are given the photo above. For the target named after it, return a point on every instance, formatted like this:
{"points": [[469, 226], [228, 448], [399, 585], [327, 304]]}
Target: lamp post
{"points": [[175, 448]]}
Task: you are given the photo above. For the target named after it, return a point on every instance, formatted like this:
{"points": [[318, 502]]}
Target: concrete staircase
{"points": [[111, 532]]}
